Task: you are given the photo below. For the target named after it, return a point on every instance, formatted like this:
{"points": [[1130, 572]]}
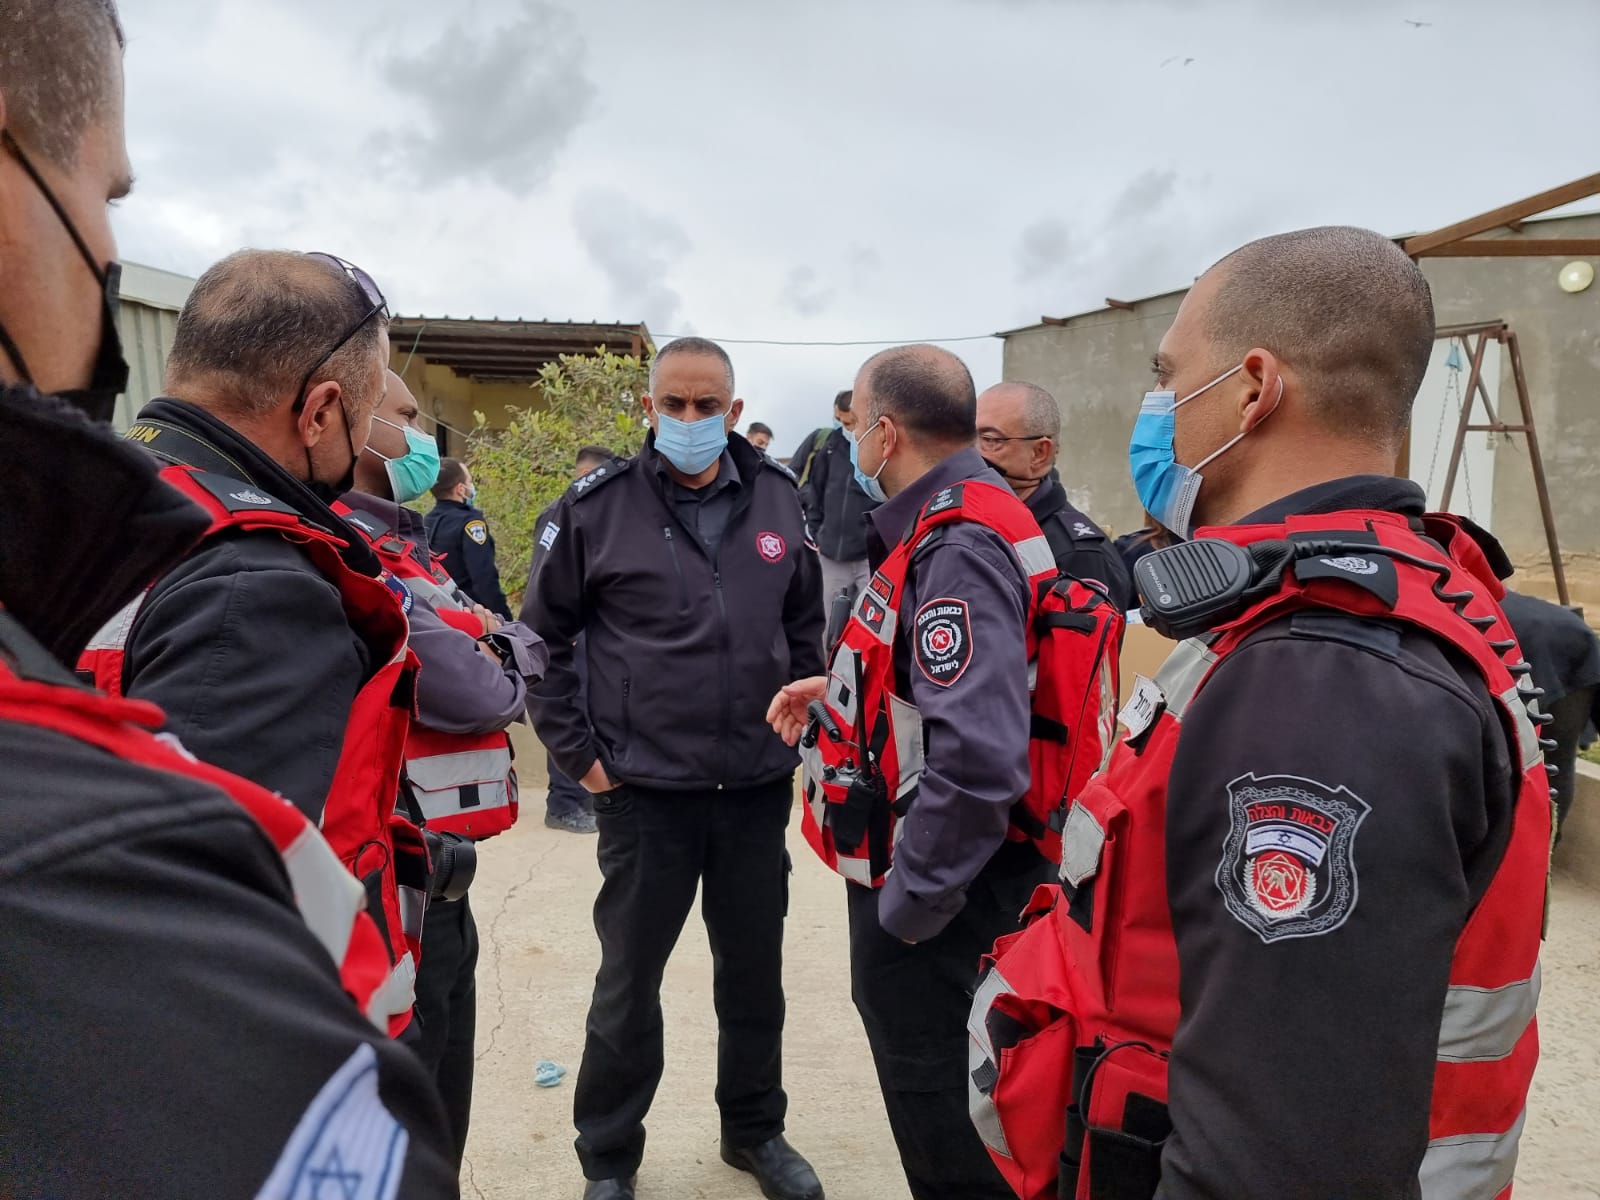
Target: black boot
{"points": [[609, 1189], [778, 1167]]}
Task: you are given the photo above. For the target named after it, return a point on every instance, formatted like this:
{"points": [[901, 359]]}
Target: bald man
{"points": [[961, 667], [1019, 434], [1302, 906]]}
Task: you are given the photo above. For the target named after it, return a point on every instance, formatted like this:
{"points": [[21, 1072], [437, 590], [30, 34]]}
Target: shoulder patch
{"points": [[401, 592], [548, 537], [1373, 573], [347, 1144], [477, 530], [236, 496], [1288, 865], [586, 485], [949, 498], [942, 631], [373, 527]]}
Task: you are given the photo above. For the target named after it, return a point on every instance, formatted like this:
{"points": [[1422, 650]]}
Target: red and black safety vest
{"points": [[1074, 1016], [329, 899], [462, 783], [861, 776], [383, 850]]}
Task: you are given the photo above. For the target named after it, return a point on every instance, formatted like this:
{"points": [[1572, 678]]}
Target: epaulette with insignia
{"points": [[236, 496], [586, 485], [768, 460]]}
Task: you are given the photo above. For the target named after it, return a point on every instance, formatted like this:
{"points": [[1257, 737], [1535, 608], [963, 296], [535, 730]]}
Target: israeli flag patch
{"points": [[347, 1145], [548, 537]]}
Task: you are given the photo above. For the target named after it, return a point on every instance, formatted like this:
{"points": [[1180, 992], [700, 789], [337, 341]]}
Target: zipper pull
{"points": [[667, 529]]}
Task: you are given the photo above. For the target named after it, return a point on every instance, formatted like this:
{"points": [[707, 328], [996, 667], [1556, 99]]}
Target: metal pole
{"points": [[1537, 462], [1474, 381]]}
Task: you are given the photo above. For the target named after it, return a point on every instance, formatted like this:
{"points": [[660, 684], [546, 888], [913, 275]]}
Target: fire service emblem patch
{"points": [[1288, 865]]}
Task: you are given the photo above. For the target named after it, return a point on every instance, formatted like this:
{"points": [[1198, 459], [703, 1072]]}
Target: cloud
{"points": [[803, 294], [635, 249], [498, 104], [1044, 248]]}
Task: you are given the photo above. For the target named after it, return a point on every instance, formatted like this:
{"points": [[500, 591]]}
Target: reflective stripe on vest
{"points": [[1180, 676], [1473, 1166], [1485, 1024], [397, 994], [113, 635], [981, 1062], [439, 778], [1527, 737], [328, 896]]}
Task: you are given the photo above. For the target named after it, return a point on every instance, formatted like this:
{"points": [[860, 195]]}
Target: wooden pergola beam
{"points": [[1514, 248], [1578, 189]]}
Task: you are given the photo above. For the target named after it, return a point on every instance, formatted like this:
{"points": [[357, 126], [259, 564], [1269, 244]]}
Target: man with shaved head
{"points": [[1300, 912], [182, 952], [960, 666], [1019, 435]]}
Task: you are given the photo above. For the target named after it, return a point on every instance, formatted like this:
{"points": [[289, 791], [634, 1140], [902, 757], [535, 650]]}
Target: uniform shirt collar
{"points": [[893, 517], [1382, 493]]}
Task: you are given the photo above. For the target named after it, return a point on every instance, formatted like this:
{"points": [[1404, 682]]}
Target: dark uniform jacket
{"points": [[976, 726], [685, 647], [459, 533], [1275, 1089], [169, 1020], [1081, 548], [835, 503], [244, 642]]}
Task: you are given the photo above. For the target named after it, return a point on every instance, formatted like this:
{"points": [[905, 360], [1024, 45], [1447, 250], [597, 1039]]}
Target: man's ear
{"points": [[317, 415], [734, 414], [1044, 453], [1263, 390]]}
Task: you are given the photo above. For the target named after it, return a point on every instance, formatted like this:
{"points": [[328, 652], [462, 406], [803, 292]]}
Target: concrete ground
{"points": [[532, 901]]}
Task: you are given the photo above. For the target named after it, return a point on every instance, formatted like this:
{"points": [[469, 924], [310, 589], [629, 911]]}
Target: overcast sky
{"points": [[831, 170]]}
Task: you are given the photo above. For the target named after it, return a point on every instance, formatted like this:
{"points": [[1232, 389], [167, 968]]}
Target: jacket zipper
{"points": [[627, 713], [726, 716], [677, 566]]}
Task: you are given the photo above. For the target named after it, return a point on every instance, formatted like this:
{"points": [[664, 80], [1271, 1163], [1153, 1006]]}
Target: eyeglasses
{"points": [[993, 441], [370, 294]]}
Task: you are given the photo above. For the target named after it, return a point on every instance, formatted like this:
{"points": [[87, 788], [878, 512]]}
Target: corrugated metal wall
{"points": [[147, 335]]}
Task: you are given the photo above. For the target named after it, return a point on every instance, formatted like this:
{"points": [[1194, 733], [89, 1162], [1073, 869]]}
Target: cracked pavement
{"points": [[532, 902]]}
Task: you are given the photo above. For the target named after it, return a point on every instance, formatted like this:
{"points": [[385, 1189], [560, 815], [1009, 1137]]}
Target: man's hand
{"points": [[787, 712], [595, 780], [490, 621]]}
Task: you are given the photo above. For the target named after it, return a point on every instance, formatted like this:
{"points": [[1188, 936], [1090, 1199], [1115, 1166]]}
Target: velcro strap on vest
{"points": [[1045, 729]]}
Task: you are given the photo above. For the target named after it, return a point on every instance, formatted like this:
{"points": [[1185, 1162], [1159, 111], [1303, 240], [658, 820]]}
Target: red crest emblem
{"points": [[771, 546], [1281, 884]]}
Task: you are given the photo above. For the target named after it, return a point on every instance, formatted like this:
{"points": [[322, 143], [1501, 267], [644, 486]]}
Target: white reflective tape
{"points": [[1082, 839], [857, 870], [906, 723], [432, 591], [397, 993], [1033, 675], [1472, 1166], [113, 635], [1180, 676], [1035, 555], [327, 895], [439, 772], [1527, 735], [1485, 1024], [981, 1056], [841, 694]]}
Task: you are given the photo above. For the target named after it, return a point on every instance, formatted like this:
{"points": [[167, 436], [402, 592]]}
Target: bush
{"points": [[522, 469]]}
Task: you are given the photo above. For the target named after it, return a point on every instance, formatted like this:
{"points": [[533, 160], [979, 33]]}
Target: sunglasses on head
{"points": [[371, 295]]}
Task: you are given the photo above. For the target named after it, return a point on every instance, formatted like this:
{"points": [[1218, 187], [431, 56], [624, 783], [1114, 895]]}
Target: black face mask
{"points": [[1001, 471], [329, 492], [110, 375]]}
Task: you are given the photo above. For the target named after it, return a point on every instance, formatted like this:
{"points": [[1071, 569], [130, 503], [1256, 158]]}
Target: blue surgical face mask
{"points": [[472, 495], [838, 424], [1166, 487], [415, 471], [691, 446], [868, 483]]}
